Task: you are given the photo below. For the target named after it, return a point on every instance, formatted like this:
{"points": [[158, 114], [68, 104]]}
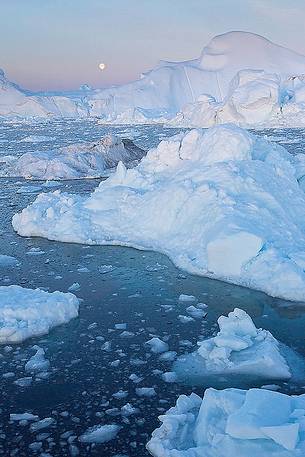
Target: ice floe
{"points": [[25, 313], [213, 201]]}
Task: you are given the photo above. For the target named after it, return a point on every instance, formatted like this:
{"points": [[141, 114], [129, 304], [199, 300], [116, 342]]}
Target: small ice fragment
{"points": [[100, 434], [43, 423], [145, 391], [187, 298], [156, 345], [23, 416], [74, 287], [37, 362]]}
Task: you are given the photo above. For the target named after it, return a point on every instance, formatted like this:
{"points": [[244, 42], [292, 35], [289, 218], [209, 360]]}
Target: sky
{"points": [[58, 44]]}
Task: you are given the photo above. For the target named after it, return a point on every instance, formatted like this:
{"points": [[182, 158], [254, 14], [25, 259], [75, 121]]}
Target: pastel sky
{"points": [[58, 44]]}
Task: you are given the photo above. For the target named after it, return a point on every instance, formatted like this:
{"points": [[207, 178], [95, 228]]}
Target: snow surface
{"points": [[232, 423], [27, 312], [237, 353], [79, 160], [212, 201], [239, 77]]}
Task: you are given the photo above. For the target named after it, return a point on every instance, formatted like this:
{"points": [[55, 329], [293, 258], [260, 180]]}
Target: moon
{"points": [[102, 66]]}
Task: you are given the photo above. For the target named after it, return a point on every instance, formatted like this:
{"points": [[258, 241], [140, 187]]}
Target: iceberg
{"points": [[168, 88], [79, 160], [226, 83], [25, 313], [232, 423], [220, 203], [239, 354], [16, 102]]}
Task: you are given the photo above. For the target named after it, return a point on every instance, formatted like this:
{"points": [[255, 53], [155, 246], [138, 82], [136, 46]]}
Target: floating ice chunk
{"points": [[135, 378], [100, 434], [37, 139], [24, 382], [232, 423], [120, 394], [185, 319], [168, 356], [169, 376], [7, 261], [121, 326], [238, 352], [79, 160], [29, 189], [26, 312], [74, 287], [145, 391], [223, 215], [195, 312], [37, 362], [187, 298], [129, 410], [157, 346], [23, 417], [43, 423], [103, 269]]}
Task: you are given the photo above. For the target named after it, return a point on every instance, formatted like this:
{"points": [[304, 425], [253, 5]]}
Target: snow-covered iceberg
{"points": [[25, 313], [80, 160], [226, 83], [16, 102], [222, 203], [232, 423], [253, 99], [165, 90], [240, 354]]}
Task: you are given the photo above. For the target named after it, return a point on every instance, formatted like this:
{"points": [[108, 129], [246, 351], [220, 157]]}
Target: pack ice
{"points": [[238, 353], [221, 203], [232, 423], [27, 312], [80, 160]]}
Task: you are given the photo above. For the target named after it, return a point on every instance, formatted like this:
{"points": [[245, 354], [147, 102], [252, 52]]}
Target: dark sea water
{"points": [[90, 358]]}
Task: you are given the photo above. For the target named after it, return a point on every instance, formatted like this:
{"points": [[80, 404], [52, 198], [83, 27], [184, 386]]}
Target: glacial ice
{"points": [[80, 160], [27, 312], [232, 423], [226, 83], [213, 201]]}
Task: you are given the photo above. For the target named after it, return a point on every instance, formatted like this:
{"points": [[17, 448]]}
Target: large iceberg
{"points": [[165, 90], [239, 76], [25, 313], [232, 423], [80, 160], [239, 354], [222, 203]]}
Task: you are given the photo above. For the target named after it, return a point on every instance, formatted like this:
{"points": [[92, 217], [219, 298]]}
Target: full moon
{"points": [[102, 66]]}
